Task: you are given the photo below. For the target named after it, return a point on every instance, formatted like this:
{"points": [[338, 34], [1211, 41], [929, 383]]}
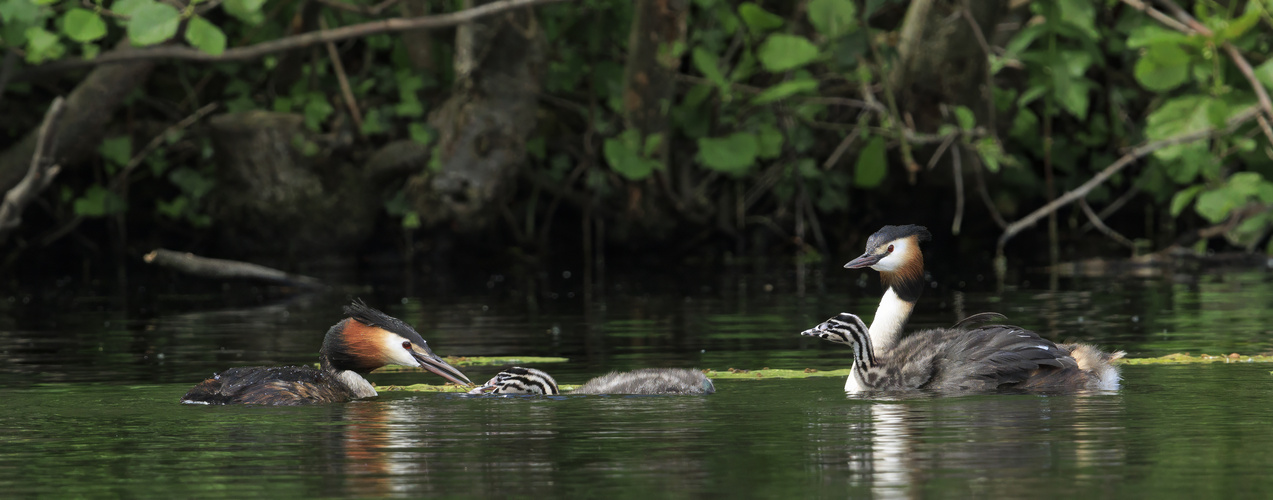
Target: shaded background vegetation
{"points": [[292, 131]]}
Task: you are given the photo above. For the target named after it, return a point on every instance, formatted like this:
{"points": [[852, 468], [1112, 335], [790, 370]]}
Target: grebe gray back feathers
{"points": [[519, 380], [367, 339]]}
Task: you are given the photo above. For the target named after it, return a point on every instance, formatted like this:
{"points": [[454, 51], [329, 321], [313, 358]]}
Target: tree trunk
{"points": [[484, 125], [89, 109]]}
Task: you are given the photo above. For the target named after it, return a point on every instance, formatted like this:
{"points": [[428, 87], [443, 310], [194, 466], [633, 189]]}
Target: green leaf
{"points": [[1239, 26], [871, 166], [83, 25], [1182, 199], [783, 52], [967, 121], [317, 109], [833, 18], [1163, 67], [153, 23], [191, 182], [1246, 184], [205, 36], [42, 45], [1264, 73], [172, 209], [248, 11], [758, 19], [1153, 34], [99, 202], [732, 154], [623, 154], [1081, 15], [784, 90], [706, 63], [117, 150], [420, 134], [1181, 115], [770, 141], [1217, 204], [129, 7]]}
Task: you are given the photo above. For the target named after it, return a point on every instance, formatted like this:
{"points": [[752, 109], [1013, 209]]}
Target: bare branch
{"points": [[1127, 159], [182, 53], [345, 90], [39, 174], [373, 10], [1100, 225]]}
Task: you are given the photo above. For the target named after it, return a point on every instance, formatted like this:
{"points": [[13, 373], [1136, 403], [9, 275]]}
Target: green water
{"points": [[88, 403]]}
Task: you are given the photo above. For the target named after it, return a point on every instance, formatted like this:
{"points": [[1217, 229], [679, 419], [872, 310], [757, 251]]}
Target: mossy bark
{"points": [[482, 128]]}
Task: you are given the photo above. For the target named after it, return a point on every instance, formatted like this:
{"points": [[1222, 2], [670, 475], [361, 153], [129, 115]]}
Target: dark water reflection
{"points": [[89, 400]]}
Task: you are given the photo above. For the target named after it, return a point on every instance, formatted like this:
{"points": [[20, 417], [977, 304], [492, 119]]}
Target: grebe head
{"points": [[893, 249], [369, 339], [840, 329], [518, 380], [846, 328]]}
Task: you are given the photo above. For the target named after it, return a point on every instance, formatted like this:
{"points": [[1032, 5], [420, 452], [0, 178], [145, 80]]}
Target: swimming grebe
{"points": [[518, 380], [982, 359], [367, 339], [894, 251]]}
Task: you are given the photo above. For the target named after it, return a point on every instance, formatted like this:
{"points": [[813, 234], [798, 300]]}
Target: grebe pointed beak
{"points": [[435, 364], [866, 260]]}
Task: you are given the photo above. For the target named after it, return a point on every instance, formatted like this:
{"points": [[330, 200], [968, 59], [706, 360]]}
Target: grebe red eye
{"points": [[890, 249], [406, 344]]}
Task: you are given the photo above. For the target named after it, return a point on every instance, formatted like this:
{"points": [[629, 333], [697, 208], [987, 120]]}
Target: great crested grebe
{"points": [[367, 339], [982, 359], [1001, 356], [518, 380]]}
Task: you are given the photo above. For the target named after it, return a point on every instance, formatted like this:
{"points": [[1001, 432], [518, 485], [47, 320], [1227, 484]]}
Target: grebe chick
{"points": [[367, 339], [979, 360], [895, 252], [518, 380]]}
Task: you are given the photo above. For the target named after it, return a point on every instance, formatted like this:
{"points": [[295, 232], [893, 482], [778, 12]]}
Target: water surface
{"points": [[90, 399]]}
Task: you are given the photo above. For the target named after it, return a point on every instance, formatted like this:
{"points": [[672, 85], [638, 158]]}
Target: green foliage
{"points": [[732, 154], [833, 18], [205, 36], [97, 201], [757, 19], [82, 25], [782, 52], [152, 23], [630, 156], [871, 167]]}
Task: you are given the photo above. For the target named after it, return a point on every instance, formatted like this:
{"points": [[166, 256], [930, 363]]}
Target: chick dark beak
{"points": [[866, 260], [435, 364]]}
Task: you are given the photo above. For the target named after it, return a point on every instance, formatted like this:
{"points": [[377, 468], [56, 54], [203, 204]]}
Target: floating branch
{"points": [[227, 269]]}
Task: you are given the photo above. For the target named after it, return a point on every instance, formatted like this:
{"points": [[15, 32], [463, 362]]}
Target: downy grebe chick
{"points": [[894, 251], [518, 380], [983, 359], [367, 339]]}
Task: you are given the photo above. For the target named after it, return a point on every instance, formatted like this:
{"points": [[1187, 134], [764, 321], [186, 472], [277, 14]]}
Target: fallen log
{"points": [[227, 269]]}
